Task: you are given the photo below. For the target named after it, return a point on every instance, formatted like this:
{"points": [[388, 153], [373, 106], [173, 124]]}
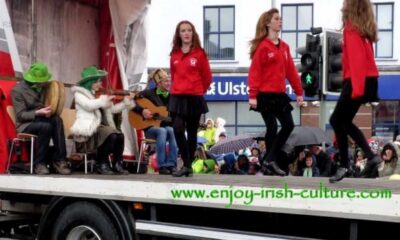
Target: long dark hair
{"points": [[360, 14], [177, 41]]}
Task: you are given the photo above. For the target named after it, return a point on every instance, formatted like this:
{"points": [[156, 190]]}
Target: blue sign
{"points": [[234, 88], [229, 88], [389, 87]]}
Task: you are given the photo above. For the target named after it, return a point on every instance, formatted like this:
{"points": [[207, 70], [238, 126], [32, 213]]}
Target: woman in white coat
{"points": [[94, 120]]}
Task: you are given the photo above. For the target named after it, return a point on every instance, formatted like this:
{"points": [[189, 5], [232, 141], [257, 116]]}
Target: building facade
{"points": [[225, 28]]}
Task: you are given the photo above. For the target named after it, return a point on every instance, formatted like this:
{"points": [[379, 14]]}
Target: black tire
{"points": [[84, 216]]}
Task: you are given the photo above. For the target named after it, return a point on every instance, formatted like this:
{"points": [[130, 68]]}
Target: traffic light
{"points": [[310, 65], [332, 63]]}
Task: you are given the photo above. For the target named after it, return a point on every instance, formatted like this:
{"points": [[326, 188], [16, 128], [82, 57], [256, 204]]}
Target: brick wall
{"points": [[363, 120]]}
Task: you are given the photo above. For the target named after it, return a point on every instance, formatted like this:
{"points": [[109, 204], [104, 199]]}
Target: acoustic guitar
{"points": [[137, 120]]}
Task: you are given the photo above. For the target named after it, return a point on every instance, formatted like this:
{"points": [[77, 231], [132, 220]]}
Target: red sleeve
{"points": [[255, 72], [205, 73], [356, 61], [292, 75]]}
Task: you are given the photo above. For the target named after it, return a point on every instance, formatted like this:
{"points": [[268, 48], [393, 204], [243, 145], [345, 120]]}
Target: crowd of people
{"points": [[304, 161]]}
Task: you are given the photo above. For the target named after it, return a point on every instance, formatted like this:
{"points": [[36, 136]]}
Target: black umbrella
{"points": [[304, 136], [233, 144]]}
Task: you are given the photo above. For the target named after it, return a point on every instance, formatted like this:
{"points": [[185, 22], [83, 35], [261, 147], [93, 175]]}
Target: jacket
{"points": [[357, 60], [190, 73], [220, 127], [388, 168], [270, 67], [25, 101], [88, 115]]}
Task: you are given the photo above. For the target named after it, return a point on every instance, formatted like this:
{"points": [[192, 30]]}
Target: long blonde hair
{"points": [[360, 14], [261, 29]]}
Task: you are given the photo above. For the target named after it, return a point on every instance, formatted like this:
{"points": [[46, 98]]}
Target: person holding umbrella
{"points": [[271, 64], [360, 82]]}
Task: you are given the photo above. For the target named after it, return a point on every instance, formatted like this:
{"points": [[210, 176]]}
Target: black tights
{"points": [[274, 141], [342, 123], [113, 144], [187, 147], [46, 129]]}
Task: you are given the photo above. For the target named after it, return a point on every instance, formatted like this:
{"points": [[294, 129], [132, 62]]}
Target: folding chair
{"points": [[143, 146], [144, 143], [68, 116], [23, 137]]}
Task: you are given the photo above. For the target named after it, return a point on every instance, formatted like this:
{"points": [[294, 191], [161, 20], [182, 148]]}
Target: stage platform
{"points": [[291, 195]]}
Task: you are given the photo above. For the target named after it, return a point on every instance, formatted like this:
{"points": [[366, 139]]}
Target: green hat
{"points": [[91, 74], [37, 73]]}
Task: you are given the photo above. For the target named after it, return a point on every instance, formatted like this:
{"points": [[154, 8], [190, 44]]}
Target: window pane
{"points": [[290, 39], [211, 45], [211, 20], [226, 110], [301, 41], [289, 18], [305, 17], [226, 19], [296, 114], [384, 45], [386, 111], [230, 131], [227, 46], [248, 117], [385, 16], [242, 130]]}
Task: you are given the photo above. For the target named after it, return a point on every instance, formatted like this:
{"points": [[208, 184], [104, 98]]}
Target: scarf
{"points": [[307, 172]]}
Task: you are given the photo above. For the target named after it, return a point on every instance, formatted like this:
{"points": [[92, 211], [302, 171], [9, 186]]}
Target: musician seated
{"points": [[94, 122], [33, 117], [159, 96]]}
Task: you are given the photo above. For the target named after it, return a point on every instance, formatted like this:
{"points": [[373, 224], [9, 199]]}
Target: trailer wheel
{"points": [[83, 220]]}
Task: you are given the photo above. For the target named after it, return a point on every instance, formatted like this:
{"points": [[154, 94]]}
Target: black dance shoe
{"points": [[339, 175], [104, 168], [275, 169], [118, 169], [184, 171]]}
